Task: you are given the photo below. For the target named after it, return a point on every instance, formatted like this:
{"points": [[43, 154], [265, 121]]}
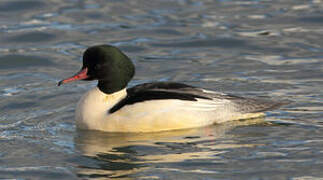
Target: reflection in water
{"points": [[245, 47], [121, 155]]}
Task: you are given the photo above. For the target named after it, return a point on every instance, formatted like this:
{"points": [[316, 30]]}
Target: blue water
{"points": [[271, 49]]}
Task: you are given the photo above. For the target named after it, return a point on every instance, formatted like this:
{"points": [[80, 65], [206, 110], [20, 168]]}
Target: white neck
{"points": [[94, 106]]}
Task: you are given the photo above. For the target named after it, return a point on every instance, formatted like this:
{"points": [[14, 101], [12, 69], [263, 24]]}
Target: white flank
{"points": [[149, 116]]}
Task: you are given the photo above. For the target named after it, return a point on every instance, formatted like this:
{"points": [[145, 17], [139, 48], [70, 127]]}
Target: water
{"points": [[272, 49]]}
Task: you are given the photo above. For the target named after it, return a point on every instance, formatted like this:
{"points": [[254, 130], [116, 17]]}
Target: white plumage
{"points": [[156, 115]]}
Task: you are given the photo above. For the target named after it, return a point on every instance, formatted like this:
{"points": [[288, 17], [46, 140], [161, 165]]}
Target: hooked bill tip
{"points": [[60, 83]]}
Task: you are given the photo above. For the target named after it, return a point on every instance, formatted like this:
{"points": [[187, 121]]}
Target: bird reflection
{"points": [[126, 155]]}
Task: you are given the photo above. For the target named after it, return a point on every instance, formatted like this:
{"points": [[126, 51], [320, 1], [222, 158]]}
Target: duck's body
{"points": [[162, 106], [151, 107]]}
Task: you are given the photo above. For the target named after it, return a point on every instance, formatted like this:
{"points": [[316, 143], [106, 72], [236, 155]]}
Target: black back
{"points": [[158, 91], [172, 90]]}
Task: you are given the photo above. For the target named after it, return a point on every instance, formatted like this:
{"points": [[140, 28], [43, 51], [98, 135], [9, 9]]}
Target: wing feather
{"points": [[203, 100]]}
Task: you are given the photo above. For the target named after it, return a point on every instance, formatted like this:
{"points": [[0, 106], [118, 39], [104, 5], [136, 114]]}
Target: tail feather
{"points": [[250, 105]]}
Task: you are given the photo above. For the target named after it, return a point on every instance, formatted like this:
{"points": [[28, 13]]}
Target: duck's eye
{"points": [[96, 67]]}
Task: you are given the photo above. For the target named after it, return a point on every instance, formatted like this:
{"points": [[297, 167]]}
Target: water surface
{"points": [[270, 49]]}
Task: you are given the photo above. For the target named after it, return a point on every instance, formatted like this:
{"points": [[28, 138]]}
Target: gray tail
{"points": [[251, 105]]}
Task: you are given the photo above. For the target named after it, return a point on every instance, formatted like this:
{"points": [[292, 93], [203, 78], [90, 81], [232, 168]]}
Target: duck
{"points": [[151, 107]]}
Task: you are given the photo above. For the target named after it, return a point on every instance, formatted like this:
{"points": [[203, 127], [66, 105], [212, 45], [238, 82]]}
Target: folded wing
{"points": [[204, 100]]}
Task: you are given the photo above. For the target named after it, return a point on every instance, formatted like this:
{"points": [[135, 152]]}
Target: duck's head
{"points": [[107, 64]]}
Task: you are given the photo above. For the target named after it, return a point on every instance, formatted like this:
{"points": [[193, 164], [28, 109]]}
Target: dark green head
{"points": [[107, 64]]}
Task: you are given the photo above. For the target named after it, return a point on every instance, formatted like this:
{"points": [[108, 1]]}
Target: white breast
{"points": [[92, 109]]}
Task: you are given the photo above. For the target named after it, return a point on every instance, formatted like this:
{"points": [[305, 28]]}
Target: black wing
{"points": [[158, 91], [172, 90]]}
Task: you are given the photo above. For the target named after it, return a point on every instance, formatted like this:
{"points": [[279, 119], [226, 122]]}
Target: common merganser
{"points": [[150, 107]]}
